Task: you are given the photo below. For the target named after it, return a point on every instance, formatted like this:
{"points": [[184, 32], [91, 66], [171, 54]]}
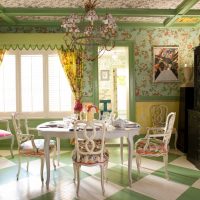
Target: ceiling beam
{"points": [[122, 12], [182, 9], [8, 20]]}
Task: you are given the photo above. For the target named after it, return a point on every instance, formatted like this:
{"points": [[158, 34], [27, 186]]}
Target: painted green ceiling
{"points": [[138, 13]]}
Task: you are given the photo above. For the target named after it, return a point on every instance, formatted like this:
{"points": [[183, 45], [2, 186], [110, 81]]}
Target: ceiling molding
{"points": [[182, 9]]}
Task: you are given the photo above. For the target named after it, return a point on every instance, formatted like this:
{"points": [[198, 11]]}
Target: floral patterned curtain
{"points": [[2, 52], [73, 68]]}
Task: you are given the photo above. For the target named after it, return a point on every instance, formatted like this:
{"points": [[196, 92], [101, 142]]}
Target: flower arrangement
{"points": [[78, 106], [93, 108]]}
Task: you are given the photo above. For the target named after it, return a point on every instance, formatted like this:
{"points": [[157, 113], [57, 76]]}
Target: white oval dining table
{"points": [[48, 130]]}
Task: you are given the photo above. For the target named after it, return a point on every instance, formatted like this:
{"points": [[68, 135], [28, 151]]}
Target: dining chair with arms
{"points": [[88, 150], [155, 145], [158, 114], [6, 134], [27, 145]]}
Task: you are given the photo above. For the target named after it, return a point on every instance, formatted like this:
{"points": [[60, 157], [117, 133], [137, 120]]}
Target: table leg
{"points": [[121, 149], [47, 159], [130, 156], [58, 150]]}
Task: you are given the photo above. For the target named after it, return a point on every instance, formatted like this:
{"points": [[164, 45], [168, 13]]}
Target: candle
{"points": [[185, 65]]}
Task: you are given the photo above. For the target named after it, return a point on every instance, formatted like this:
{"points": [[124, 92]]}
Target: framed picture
{"points": [[165, 64], [105, 75]]}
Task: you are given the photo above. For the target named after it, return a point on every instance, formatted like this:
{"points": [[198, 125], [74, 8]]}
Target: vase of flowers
{"points": [[78, 107], [90, 111]]}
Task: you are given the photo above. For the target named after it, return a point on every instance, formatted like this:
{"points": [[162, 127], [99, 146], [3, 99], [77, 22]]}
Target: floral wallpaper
{"points": [[143, 40]]}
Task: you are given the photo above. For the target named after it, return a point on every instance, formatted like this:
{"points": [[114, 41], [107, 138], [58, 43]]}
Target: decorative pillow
{"points": [[27, 148], [4, 133], [90, 158], [155, 146]]}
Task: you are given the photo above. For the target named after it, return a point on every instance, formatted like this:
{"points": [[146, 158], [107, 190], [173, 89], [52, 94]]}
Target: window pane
{"points": [[8, 84], [32, 83], [60, 94]]}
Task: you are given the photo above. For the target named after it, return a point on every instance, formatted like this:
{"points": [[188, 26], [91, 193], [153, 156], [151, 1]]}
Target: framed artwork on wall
{"points": [[105, 76], [165, 64]]}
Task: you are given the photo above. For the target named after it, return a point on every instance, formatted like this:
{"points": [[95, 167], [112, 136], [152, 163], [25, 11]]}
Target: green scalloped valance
{"points": [[31, 41]]}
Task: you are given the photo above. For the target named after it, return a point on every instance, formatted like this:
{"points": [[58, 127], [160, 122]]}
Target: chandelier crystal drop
{"points": [[85, 32]]}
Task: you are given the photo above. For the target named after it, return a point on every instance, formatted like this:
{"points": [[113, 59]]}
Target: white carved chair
{"points": [[27, 145], [6, 134], [155, 145], [88, 150], [158, 114]]}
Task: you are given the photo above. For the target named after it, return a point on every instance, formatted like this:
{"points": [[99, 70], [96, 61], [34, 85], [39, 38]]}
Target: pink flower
{"points": [[78, 106]]}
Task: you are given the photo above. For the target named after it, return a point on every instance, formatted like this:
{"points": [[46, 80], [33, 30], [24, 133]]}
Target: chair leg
{"points": [[27, 165], [19, 166], [78, 179], [138, 163], [54, 156], [175, 140], [42, 169], [165, 159], [105, 172], [121, 149], [102, 179], [11, 146], [74, 166], [58, 150]]}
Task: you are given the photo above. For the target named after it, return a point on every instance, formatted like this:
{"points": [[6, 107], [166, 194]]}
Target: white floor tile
{"points": [[183, 162], [196, 184], [34, 166], [94, 169], [26, 188], [147, 165], [90, 189], [158, 188], [5, 163]]}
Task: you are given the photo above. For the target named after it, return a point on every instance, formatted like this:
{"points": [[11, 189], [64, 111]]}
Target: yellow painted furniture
{"points": [[158, 114]]}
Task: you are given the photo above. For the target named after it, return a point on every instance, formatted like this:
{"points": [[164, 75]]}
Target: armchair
{"points": [[27, 145], [156, 144]]}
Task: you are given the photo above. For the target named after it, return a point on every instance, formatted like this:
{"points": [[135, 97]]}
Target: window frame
{"points": [[46, 113]]}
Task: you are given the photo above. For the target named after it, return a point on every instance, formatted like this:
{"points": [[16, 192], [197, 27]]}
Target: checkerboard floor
{"points": [[184, 182]]}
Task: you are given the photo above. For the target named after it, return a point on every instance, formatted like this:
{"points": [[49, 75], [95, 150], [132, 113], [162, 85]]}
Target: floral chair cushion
{"points": [[4, 133], [26, 148], [155, 146], [90, 158]]}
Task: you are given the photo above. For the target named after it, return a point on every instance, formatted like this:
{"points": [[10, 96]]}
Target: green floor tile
{"points": [[179, 174], [119, 175], [47, 196], [190, 194], [9, 174], [126, 194], [171, 157]]}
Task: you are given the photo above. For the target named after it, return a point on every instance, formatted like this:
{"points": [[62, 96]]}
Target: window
{"points": [[8, 84], [32, 83], [59, 88], [35, 83]]}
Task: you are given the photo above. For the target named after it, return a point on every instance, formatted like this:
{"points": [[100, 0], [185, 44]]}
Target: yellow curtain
{"points": [[2, 53], [73, 68]]}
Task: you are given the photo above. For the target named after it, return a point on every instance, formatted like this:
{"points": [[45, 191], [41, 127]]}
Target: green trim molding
{"points": [[156, 98]]}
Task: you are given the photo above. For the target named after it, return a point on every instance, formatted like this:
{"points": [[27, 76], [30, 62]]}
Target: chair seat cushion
{"points": [[155, 146], [26, 148], [90, 158], [4, 133]]}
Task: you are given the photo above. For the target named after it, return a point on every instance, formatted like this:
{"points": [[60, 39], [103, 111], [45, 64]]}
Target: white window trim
{"points": [[45, 113]]}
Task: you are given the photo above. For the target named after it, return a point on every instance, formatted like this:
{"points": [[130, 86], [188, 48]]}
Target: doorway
{"points": [[113, 79]]}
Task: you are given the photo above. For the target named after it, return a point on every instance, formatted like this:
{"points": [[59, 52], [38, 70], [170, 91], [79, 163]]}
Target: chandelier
{"points": [[88, 31]]}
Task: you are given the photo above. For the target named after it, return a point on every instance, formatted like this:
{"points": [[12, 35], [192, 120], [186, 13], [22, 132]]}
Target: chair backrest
{"points": [[158, 115], [169, 125], [89, 138], [20, 124]]}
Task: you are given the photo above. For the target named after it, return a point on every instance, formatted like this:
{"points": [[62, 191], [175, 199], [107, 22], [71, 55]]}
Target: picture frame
{"points": [[165, 64], [105, 75]]}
